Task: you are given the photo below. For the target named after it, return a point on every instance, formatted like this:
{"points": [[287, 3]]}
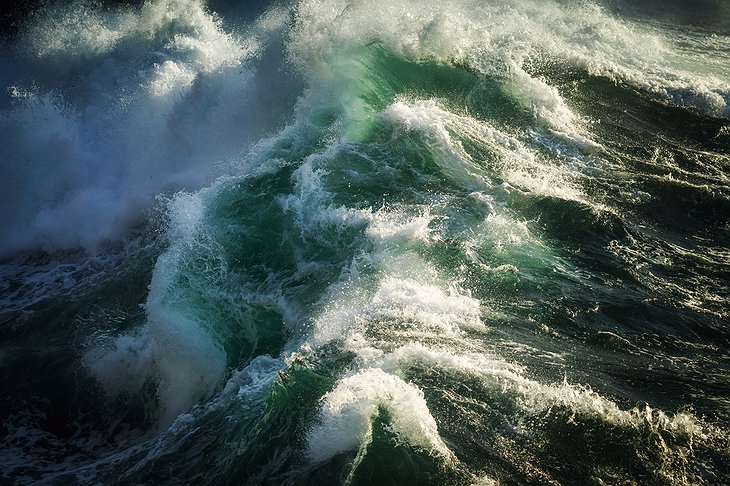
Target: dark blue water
{"points": [[336, 242]]}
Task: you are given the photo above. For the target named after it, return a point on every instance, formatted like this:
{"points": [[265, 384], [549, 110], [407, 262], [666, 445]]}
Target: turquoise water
{"points": [[337, 242]]}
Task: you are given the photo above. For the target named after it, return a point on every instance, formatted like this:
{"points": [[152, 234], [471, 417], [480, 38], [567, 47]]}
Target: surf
{"points": [[332, 241]]}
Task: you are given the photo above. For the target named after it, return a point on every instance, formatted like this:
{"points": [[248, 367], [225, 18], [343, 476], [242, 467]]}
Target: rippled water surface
{"points": [[387, 242]]}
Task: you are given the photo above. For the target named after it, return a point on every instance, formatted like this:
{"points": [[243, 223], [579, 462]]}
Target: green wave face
{"points": [[367, 243]]}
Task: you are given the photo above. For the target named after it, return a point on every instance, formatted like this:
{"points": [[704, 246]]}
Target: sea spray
{"points": [[345, 243]]}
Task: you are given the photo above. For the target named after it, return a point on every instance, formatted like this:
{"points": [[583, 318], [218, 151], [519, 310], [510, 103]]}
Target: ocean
{"points": [[454, 242]]}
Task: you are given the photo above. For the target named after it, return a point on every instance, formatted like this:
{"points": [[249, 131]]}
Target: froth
{"points": [[394, 324], [109, 108], [406, 301], [344, 422], [535, 397], [175, 349], [500, 38], [503, 155]]}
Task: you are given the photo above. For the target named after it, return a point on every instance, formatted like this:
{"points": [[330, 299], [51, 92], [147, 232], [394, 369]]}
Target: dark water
{"points": [[338, 242]]}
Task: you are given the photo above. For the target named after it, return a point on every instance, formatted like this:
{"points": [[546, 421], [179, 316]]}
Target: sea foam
{"points": [[108, 108]]}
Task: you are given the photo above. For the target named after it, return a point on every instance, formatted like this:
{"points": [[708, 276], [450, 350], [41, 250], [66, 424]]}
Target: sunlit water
{"points": [[344, 242]]}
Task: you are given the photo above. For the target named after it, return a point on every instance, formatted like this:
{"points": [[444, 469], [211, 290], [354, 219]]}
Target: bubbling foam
{"points": [[502, 39], [108, 108], [396, 326], [534, 397], [347, 411], [175, 349], [445, 133]]}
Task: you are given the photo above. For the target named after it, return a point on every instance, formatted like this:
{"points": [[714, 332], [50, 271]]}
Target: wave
{"points": [[329, 240], [107, 109]]}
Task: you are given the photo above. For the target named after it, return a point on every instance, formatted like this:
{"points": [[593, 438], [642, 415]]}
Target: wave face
{"points": [[344, 242]]}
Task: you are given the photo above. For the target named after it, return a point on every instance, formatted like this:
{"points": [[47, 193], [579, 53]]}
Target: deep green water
{"points": [[341, 242]]}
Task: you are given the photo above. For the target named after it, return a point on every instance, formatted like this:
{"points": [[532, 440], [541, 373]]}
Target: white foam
{"points": [[549, 107], [408, 301], [485, 481], [535, 397], [499, 38], [403, 299], [387, 228], [129, 103], [504, 155], [189, 361], [178, 348], [254, 379], [445, 311], [346, 414], [395, 324], [78, 32], [503, 232], [175, 349], [437, 125], [111, 107]]}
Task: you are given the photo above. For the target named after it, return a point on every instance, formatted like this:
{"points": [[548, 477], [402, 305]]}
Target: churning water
{"points": [[366, 242]]}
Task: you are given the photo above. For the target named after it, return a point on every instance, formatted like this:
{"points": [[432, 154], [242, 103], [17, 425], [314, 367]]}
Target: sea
{"points": [[349, 242]]}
